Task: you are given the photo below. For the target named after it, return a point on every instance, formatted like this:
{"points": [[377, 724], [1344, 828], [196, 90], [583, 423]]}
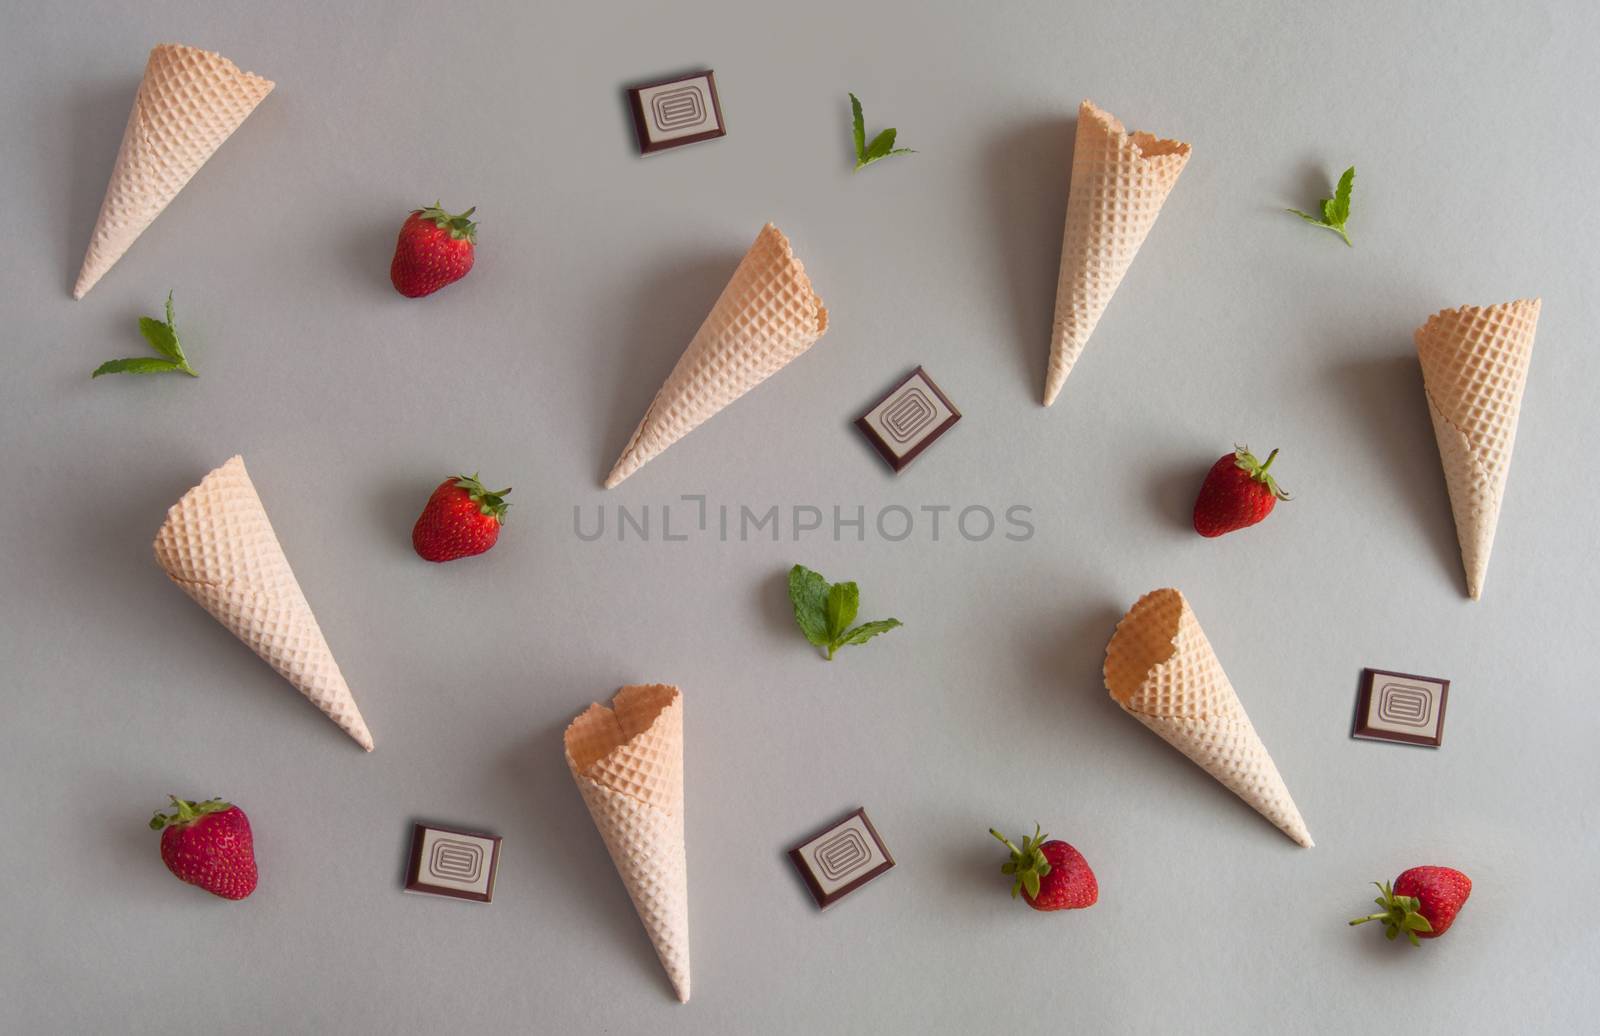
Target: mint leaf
{"points": [[1335, 210], [1341, 196], [844, 599], [882, 145], [163, 338], [808, 592], [824, 611], [136, 365], [858, 126], [867, 630]]}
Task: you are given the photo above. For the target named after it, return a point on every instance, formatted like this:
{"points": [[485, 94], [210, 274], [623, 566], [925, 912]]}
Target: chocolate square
{"points": [[673, 112], [1401, 707], [460, 864], [908, 419], [841, 858]]}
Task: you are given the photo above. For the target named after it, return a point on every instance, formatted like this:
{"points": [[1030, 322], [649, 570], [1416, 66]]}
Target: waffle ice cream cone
{"points": [[765, 317], [628, 763], [1119, 182], [189, 102], [1474, 368], [1160, 668], [219, 547]]}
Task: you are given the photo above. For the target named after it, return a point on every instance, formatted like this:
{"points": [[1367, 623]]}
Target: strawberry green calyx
{"points": [[491, 502], [1027, 864], [458, 225], [1257, 470], [1400, 914], [187, 812]]}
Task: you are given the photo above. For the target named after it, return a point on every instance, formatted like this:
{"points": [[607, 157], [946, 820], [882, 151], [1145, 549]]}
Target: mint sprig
{"points": [[163, 338], [882, 145], [1335, 210], [824, 611]]}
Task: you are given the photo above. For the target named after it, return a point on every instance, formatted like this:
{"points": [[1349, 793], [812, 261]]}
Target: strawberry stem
{"points": [[1006, 842], [187, 812]]}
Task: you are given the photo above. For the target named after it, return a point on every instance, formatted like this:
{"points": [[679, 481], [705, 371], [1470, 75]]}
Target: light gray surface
{"points": [[1474, 133]]}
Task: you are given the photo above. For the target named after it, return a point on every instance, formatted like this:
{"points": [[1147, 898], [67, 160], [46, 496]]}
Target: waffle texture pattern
{"points": [[765, 317], [1119, 183], [1160, 668], [628, 763], [189, 102], [219, 547], [1474, 368]]}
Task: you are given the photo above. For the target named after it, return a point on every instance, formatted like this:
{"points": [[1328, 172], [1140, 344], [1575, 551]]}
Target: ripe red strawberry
{"points": [[209, 844], [1051, 875], [435, 248], [1423, 902], [1237, 493], [461, 519]]}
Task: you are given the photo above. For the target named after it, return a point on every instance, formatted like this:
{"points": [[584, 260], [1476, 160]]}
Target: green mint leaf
{"points": [[844, 600], [1341, 196], [824, 611], [1335, 210], [881, 145], [162, 338], [867, 630], [137, 365], [808, 592], [858, 126]]}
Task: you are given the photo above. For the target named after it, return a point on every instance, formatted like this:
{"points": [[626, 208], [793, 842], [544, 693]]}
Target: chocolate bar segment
{"points": [[673, 112], [841, 858], [1400, 707], [446, 862], [906, 421]]}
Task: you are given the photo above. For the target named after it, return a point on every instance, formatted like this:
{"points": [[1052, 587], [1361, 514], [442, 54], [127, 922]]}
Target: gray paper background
{"points": [[1473, 128]]}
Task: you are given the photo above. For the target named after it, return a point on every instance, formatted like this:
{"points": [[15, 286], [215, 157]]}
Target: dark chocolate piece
{"points": [[906, 421], [1401, 707], [445, 862], [673, 112], [841, 858]]}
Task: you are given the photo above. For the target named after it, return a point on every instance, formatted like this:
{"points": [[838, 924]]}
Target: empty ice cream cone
{"points": [[1474, 368], [628, 763], [765, 317], [1160, 668], [1119, 182], [189, 102], [219, 547]]}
